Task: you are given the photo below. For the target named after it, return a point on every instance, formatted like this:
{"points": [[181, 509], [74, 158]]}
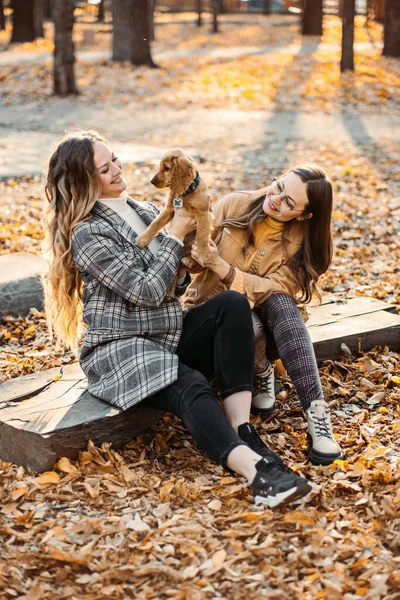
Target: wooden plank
{"points": [[380, 328], [351, 307], [27, 386], [60, 420]]}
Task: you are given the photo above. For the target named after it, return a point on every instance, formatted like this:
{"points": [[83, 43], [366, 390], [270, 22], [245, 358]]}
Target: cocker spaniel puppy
{"points": [[188, 194]]}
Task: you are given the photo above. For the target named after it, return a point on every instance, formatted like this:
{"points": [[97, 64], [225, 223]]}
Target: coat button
{"points": [[262, 252]]}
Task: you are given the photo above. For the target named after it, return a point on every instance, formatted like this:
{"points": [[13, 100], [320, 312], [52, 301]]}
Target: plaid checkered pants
{"points": [[280, 332]]}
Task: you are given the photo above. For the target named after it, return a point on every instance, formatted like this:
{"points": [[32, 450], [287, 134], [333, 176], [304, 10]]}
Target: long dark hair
{"points": [[315, 254]]}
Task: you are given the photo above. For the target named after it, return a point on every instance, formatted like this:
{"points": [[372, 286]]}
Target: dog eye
{"points": [[166, 168]]}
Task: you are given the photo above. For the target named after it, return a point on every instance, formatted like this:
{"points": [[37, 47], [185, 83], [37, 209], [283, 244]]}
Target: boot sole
{"points": [[262, 412], [323, 460], [319, 459], [286, 497]]}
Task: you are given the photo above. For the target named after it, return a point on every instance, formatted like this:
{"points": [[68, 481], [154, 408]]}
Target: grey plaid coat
{"points": [[133, 331]]}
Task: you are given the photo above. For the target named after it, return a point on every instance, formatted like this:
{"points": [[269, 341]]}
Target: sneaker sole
{"points": [[285, 497], [323, 460], [262, 412]]}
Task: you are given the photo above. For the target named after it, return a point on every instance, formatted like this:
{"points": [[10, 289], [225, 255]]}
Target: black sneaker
{"points": [[274, 486], [249, 435]]}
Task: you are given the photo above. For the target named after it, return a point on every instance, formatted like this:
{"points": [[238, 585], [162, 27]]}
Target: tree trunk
{"points": [[2, 19], [100, 12], [391, 46], [64, 58], [347, 60], [122, 14], [198, 9], [266, 7], [151, 19], [141, 54], [216, 10], [312, 17], [23, 25], [379, 10], [38, 17]]}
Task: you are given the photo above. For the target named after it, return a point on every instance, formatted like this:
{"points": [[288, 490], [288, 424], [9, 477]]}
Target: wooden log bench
{"points": [[43, 416]]}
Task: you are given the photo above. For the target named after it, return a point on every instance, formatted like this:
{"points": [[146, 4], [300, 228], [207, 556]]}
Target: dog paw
{"points": [[141, 241]]}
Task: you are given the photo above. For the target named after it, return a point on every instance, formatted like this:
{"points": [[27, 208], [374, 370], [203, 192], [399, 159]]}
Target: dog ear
{"points": [[183, 172]]}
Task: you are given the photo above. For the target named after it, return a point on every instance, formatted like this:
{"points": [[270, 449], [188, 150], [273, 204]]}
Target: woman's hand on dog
{"points": [[180, 226], [212, 260]]}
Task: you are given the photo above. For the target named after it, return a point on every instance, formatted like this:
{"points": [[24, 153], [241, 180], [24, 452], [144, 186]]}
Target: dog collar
{"points": [[178, 201]]}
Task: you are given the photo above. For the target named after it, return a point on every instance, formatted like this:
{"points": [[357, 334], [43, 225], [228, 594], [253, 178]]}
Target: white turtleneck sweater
{"points": [[126, 212]]}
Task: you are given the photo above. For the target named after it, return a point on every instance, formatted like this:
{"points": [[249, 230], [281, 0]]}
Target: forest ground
{"points": [[158, 519]]}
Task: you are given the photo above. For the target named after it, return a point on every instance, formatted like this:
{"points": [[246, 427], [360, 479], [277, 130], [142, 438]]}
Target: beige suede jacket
{"points": [[267, 273]]}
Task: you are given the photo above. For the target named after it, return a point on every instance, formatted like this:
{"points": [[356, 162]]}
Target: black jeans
{"points": [[217, 341], [289, 340]]}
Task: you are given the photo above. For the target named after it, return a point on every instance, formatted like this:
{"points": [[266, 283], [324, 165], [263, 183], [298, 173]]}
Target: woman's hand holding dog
{"points": [[214, 262], [180, 226]]}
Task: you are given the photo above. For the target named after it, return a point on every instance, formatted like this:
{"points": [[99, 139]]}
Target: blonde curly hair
{"points": [[72, 188]]}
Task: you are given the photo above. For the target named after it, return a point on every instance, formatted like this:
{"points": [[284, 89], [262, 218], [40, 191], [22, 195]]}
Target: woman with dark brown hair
{"points": [[138, 343], [272, 245]]}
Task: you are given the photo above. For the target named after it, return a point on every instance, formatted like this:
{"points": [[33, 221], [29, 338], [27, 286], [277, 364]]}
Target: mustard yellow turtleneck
{"points": [[265, 229]]}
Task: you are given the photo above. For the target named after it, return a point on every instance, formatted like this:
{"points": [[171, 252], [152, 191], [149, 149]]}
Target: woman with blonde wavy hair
{"points": [[139, 344]]}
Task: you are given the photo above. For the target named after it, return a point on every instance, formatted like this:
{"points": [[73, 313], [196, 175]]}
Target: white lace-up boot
{"points": [[323, 447], [263, 403]]}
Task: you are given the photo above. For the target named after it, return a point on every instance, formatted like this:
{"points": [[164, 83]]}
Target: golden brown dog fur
{"points": [[177, 171]]}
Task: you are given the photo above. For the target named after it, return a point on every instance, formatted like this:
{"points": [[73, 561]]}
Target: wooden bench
{"points": [[43, 417]]}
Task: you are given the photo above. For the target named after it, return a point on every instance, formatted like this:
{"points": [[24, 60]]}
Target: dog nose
{"points": [[154, 180]]}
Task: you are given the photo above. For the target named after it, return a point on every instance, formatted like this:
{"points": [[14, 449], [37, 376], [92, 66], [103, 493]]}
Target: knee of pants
{"points": [[195, 388], [278, 303], [234, 300]]}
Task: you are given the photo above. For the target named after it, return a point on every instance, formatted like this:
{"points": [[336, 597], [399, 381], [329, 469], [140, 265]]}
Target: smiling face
{"points": [[109, 169], [286, 199]]}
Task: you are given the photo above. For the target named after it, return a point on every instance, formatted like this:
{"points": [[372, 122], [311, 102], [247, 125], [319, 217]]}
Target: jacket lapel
{"points": [[122, 226]]}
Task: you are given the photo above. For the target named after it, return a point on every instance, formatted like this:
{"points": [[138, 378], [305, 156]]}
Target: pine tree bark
{"points": [[141, 54], [39, 13], [64, 58], [391, 44], [122, 14], [347, 60], [2, 18], [23, 23], [312, 17]]}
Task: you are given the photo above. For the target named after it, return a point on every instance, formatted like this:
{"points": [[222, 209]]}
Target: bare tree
{"points": [[391, 45], [216, 5], [312, 17], [122, 14], [199, 10], [141, 54], [100, 12], [39, 13], [379, 10], [2, 18], [347, 60], [64, 58], [23, 24]]}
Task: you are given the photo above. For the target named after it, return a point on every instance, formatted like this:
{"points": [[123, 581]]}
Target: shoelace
{"points": [[264, 384], [321, 425], [258, 443]]}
